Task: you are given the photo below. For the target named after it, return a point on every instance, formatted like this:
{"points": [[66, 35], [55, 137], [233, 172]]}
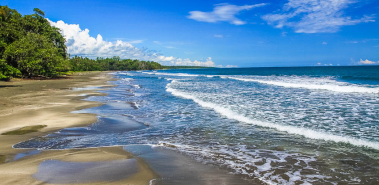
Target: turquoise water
{"points": [[317, 125]]}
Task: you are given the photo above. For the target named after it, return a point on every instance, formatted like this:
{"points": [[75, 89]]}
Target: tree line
{"points": [[108, 64], [30, 47]]}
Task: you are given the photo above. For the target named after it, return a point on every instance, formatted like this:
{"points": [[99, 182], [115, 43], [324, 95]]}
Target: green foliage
{"points": [[185, 67], [7, 71], [38, 12], [108, 64], [35, 55], [30, 46]]}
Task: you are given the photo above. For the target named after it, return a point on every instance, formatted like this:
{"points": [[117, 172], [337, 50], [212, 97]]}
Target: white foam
{"points": [[284, 128], [171, 74], [310, 85], [242, 160], [126, 79], [136, 105], [152, 181]]}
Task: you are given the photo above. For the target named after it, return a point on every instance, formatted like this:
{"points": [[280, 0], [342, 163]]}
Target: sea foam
{"points": [[170, 74], [342, 87], [291, 82], [306, 132]]}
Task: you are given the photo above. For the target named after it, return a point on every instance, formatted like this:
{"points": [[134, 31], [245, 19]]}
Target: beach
{"points": [[189, 92], [264, 125], [49, 102], [187, 126], [36, 108]]}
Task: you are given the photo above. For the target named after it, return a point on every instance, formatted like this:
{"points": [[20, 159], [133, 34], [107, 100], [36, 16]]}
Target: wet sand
{"points": [[79, 166], [25, 103], [45, 102], [50, 103], [175, 168]]}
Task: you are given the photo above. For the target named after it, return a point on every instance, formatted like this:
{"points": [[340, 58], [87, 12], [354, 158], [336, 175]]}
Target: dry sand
{"points": [[49, 102]]}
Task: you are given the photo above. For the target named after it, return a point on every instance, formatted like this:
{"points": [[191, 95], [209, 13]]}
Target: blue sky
{"points": [[251, 33]]}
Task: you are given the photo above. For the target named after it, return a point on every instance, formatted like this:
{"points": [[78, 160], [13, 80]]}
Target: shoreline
{"points": [[46, 102], [50, 102], [136, 164]]}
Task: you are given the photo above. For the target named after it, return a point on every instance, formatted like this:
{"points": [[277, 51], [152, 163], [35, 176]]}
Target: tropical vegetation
{"points": [[30, 47]]}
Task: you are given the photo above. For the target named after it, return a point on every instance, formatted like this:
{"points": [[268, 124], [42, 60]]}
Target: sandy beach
{"points": [[26, 103], [35, 108]]}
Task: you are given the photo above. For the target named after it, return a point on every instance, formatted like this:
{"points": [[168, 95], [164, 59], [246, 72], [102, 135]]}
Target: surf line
{"points": [[312, 134], [335, 88]]}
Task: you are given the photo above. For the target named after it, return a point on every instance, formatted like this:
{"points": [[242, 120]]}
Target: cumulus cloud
{"points": [[365, 62], [230, 66], [223, 12], [187, 62], [325, 43], [315, 16], [218, 36], [79, 42]]}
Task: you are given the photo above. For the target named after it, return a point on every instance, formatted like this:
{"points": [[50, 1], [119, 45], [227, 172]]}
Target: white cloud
{"points": [[365, 62], [325, 43], [319, 63], [79, 42], [315, 16], [230, 66], [135, 41], [222, 12], [188, 62], [219, 36]]}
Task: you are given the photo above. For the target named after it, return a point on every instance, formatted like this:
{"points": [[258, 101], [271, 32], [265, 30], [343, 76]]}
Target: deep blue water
{"points": [[277, 125], [353, 74]]}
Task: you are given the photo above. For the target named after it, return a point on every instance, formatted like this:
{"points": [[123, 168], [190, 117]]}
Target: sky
{"points": [[243, 33]]}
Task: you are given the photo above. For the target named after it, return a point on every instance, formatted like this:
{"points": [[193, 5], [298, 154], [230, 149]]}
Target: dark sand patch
{"points": [[62, 172], [25, 154], [4, 86], [175, 168], [98, 164], [25, 130], [63, 138], [3, 158], [117, 124]]}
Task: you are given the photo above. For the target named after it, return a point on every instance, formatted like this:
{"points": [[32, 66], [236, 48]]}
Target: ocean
{"points": [[287, 125]]}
